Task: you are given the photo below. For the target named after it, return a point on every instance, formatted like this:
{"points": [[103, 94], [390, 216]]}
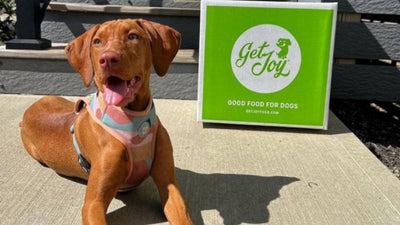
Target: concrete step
{"points": [[184, 56], [48, 72], [123, 9], [65, 21]]}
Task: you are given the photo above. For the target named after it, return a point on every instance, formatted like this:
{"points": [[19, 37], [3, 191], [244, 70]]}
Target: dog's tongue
{"points": [[115, 91]]}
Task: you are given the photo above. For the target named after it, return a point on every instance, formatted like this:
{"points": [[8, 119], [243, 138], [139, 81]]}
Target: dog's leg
{"points": [[163, 174], [106, 177]]}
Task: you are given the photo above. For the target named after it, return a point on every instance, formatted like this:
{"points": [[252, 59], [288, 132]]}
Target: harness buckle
{"points": [[85, 165]]}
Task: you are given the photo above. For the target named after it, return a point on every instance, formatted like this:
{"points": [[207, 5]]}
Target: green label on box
{"points": [[266, 63]]}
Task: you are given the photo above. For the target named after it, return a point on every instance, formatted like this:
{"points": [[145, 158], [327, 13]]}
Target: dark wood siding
{"points": [[367, 50]]}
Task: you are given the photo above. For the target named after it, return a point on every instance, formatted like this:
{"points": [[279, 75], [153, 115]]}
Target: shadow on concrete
{"points": [[237, 198], [334, 127]]}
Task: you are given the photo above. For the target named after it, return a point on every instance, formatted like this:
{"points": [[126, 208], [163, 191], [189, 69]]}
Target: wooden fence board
{"points": [[368, 41], [368, 6], [366, 82]]}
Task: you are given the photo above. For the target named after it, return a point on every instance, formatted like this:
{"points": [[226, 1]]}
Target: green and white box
{"points": [[266, 63]]}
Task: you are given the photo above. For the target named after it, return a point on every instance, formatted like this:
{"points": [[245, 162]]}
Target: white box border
{"points": [[292, 5]]}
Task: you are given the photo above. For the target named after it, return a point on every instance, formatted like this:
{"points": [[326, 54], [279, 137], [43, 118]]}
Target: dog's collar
{"points": [[121, 119], [111, 117]]}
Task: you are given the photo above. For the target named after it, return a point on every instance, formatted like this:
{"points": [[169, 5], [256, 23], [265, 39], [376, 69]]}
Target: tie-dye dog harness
{"points": [[136, 130]]}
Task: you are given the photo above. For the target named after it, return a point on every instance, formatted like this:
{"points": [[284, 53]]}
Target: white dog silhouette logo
{"points": [[266, 58]]}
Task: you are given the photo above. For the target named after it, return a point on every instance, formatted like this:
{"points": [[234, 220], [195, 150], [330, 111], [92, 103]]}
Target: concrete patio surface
{"points": [[228, 174]]}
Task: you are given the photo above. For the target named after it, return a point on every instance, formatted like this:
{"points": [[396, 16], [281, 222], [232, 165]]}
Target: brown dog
{"points": [[118, 56]]}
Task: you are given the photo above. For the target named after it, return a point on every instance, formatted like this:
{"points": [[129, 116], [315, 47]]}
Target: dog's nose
{"points": [[109, 60]]}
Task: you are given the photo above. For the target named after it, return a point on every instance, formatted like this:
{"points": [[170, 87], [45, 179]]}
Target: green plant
{"points": [[7, 19]]}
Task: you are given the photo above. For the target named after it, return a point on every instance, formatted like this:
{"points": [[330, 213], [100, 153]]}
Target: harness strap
{"points": [[142, 127], [85, 165]]}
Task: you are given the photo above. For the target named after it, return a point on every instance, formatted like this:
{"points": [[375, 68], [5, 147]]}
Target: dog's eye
{"points": [[97, 41], [133, 36]]}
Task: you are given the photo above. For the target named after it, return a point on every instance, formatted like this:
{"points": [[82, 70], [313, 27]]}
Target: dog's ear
{"points": [[165, 42], [78, 54]]}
